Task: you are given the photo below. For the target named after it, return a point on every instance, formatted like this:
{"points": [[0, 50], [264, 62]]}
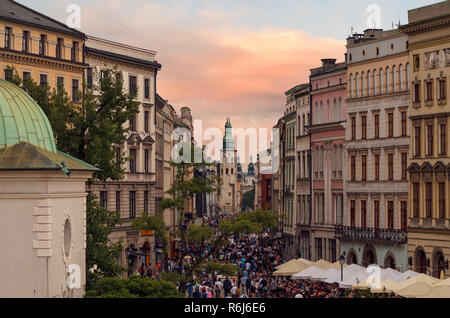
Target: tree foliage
{"points": [[100, 252], [248, 200], [133, 287]]}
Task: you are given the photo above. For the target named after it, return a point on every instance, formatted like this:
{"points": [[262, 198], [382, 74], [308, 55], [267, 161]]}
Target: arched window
{"points": [[369, 83], [328, 112], [356, 85], [321, 112], [340, 110], [375, 83], [362, 84], [400, 78], [381, 78], [316, 113], [335, 111], [334, 163], [407, 76], [394, 79], [351, 86], [388, 80], [340, 160]]}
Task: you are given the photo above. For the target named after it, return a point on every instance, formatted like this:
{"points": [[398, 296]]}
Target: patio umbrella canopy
{"points": [[291, 269], [353, 274], [386, 286], [420, 278], [442, 283], [309, 273], [416, 290], [439, 292], [322, 264]]}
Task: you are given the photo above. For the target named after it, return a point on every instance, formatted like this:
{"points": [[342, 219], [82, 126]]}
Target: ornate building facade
{"points": [[328, 94], [303, 172], [136, 193], [40, 48], [377, 145], [429, 166]]}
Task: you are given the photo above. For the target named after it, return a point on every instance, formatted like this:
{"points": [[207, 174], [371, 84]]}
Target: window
{"points": [[118, 157], [377, 126], [390, 215], [417, 93], [352, 213], [390, 125], [353, 168], [429, 199], [416, 63], [442, 89], [26, 41], [364, 167], [133, 85], [59, 48], [430, 140], [416, 200], [147, 88], [133, 123], [132, 204], [376, 216], [104, 199], [75, 90], [133, 160], [364, 127], [443, 140], [43, 80], [146, 160], [26, 79], [377, 167], [404, 215], [146, 121], [43, 45], [319, 248], [390, 167], [60, 84], [146, 202], [74, 52], [8, 35], [117, 201], [429, 96], [404, 124], [353, 128], [89, 78], [8, 74], [442, 200], [363, 214], [417, 148], [404, 166]]}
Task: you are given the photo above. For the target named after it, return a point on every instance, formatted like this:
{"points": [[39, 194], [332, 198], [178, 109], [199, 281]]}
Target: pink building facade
{"points": [[328, 95]]}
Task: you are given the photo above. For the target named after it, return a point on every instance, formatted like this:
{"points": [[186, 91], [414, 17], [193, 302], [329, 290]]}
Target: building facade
{"points": [[328, 94], [136, 193], [40, 48], [429, 165], [377, 146], [303, 172], [42, 207]]}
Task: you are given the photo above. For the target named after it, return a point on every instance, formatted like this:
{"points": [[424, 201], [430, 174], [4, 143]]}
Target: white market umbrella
{"points": [[308, 273]]}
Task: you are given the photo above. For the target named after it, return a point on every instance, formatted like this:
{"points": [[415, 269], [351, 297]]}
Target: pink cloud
{"points": [[216, 69]]}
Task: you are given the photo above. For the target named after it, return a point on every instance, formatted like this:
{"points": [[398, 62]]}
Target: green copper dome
{"points": [[22, 120]]}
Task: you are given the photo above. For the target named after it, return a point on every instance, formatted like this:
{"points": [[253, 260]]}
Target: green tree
{"points": [[248, 200], [133, 287], [100, 252], [90, 130]]}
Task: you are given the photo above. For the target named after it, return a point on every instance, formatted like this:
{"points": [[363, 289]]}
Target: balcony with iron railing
{"points": [[371, 234]]}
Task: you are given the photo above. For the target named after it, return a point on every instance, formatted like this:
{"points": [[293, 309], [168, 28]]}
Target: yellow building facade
{"points": [[429, 164], [41, 48]]}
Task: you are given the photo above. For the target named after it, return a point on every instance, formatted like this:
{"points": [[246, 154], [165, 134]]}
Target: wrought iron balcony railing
{"points": [[371, 234]]}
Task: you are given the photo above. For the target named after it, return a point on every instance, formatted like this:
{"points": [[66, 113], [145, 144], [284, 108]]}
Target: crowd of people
{"points": [[255, 257]]}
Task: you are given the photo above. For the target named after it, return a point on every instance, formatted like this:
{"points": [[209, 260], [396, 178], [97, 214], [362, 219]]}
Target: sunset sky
{"points": [[231, 57]]}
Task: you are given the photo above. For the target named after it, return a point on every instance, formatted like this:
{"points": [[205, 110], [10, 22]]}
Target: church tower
{"points": [[228, 201]]}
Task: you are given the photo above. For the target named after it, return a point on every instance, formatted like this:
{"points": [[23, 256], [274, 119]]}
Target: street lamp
{"points": [[342, 261]]}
